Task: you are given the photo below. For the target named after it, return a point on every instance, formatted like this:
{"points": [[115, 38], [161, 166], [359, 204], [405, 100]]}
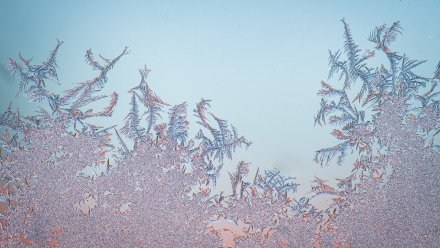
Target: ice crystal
{"points": [[178, 124]]}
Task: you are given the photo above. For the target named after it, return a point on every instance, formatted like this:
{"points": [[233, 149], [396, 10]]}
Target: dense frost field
{"points": [[68, 181]]}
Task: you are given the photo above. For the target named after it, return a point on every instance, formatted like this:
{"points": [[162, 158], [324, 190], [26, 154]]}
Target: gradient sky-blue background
{"points": [[259, 61]]}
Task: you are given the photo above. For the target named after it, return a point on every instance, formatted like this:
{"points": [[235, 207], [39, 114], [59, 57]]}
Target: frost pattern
{"points": [[151, 185]]}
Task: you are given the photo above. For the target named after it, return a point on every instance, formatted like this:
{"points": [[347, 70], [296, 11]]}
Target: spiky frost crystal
{"points": [[371, 208]]}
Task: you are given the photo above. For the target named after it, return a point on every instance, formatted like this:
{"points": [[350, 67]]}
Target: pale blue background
{"points": [[259, 61]]}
